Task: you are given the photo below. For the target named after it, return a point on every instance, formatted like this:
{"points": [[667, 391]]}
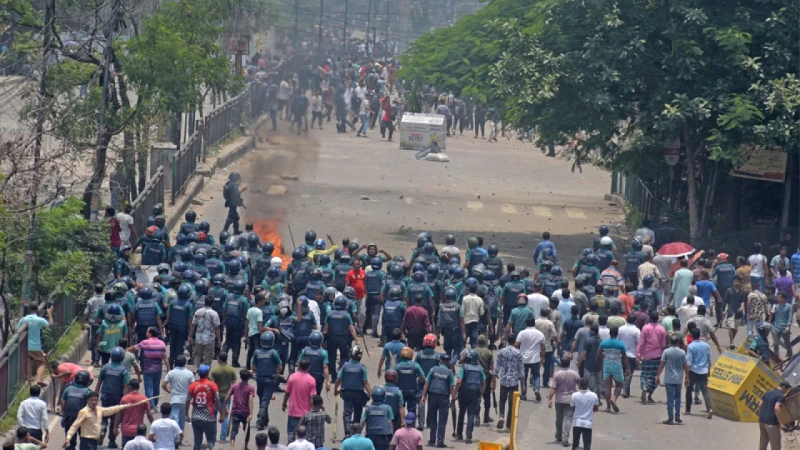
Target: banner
{"points": [[757, 163]]}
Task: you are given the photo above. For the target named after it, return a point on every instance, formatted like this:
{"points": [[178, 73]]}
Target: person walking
{"points": [[565, 383], [652, 342], [615, 367], [355, 441], [154, 353], [510, 369], [176, 384], [205, 402], [592, 360], [769, 411], [32, 415], [224, 375], [629, 334], [314, 421], [165, 432], [676, 373], [88, 422], [205, 332], [299, 388], [129, 420], [698, 359], [140, 442], [531, 344], [440, 389], [583, 404], [407, 437], [241, 396]]}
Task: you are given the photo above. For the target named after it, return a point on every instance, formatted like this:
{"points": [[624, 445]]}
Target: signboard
{"points": [[418, 131], [239, 45], [737, 383], [672, 151], [758, 163]]}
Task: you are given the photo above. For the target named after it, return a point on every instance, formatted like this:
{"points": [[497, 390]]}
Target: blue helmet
{"points": [[433, 270], [340, 302], [189, 275], [239, 287], [454, 260], [586, 252], [378, 394], [471, 282], [603, 230], [524, 272], [315, 339], [114, 310], [319, 244], [223, 237], [396, 270], [117, 354], [145, 293], [181, 239], [205, 227], [298, 254], [591, 259], [329, 293], [201, 287], [200, 259], [338, 254], [310, 237], [636, 245], [180, 267], [186, 255], [492, 250], [556, 271], [458, 273], [648, 280], [472, 357], [184, 291], [234, 266], [268, 247], [489, 275], [450, 294], [229, 247], [417, 267], [419, 276], [376, 263], [273, 272], [267, 339], [218, 279], [128, 281], [191, 237], [428, 248], [324, 260]]}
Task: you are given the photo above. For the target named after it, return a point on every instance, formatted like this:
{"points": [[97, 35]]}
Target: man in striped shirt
{"points": [[612, 280], [153, 353]]}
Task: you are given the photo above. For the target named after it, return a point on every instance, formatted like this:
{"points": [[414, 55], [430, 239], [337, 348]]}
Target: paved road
{"points": [[507, 192]]}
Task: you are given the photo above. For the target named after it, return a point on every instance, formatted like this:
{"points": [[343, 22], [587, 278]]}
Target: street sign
{"points": [[758, 163], [672, 151]]}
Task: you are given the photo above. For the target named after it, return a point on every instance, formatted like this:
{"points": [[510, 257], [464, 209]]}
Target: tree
{"points": [[613, 80]]}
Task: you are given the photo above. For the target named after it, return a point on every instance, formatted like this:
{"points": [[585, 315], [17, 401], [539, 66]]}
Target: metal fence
{"points": [[143, 205], [212, 130]]}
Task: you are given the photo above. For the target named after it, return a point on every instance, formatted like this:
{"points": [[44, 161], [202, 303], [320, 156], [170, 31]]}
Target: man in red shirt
{"points": [[355, 278], [116, 242], [387, 123], [204, 397], [129, 419]]}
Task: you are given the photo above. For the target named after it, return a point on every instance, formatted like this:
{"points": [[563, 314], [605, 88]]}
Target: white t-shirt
{"points": [[584, 403], [125, 222], [697, 302], [756, 263], [686, 312], [629, 335], [557, 296], [313, 306], [537, 302], [301, 444], [530, 345], [283, 91], [166, 431], [604, 332]]}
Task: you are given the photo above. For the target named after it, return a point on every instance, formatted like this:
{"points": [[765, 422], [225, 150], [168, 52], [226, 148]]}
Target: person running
{"points": [[314, 421], [176, 384], [204, 399], [129, 420], [241, 397]]}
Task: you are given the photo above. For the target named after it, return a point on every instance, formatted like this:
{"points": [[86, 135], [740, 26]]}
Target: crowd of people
{"points": [[453, 324]]}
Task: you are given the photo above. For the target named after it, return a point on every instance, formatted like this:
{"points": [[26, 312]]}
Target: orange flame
{"points": [[267, 230]]}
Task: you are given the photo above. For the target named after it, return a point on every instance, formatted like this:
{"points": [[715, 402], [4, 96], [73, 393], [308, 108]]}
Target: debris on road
{"points": [[290, 177], [437, 157]]}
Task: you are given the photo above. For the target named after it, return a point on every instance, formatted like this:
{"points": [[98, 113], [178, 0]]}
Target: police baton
{"points": [[291, 235]]}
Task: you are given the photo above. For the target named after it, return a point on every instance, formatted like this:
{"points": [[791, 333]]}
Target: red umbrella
{"points": [[676, 249]]}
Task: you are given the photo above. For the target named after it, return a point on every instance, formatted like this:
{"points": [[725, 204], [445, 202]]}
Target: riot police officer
{"points": [[418, 289], [409, 375], [340, 270], [377, 420], [394, 397], [234, 311], [282, 325], [199, 265], [648, 295], [147, 313], [605, 254], [438, 391], [179, 319], [633, 259], [315, 286], [111, 384], [233, 200], [589, 271], [189, 226], [339, 329], [427, 358], [373, 283], [298, 272], [395, 278], [393, 311], [475, 254], [266, 364], [304, 324], [72, 401], [451, 323], [154, 250], [471, 383], [493, 262], [491, 302], [352, 379], [318, 359]]}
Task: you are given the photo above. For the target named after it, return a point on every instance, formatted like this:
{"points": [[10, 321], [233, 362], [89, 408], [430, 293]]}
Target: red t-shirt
{"points": [[356, 279], [133, 416], [115, 229], [203, 393], [387, 112], [72, 369], [240, 394]]}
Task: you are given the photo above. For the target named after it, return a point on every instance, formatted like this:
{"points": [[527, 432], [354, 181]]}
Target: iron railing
{"points": [[143, 205]]}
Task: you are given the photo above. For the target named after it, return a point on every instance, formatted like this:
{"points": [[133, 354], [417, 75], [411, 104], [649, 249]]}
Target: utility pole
{"points": [[319, 43], [296, 17], [344, 37], [369, 22], [49, 25]]}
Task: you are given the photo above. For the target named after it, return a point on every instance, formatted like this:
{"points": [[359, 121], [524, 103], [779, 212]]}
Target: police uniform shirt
{"points": [[365, 377]]}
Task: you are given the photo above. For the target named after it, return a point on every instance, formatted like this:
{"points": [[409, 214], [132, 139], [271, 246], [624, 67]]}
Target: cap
{"points": [[203, 369], [411, 417]]}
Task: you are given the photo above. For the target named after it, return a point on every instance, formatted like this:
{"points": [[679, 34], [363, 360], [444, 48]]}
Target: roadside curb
{"points": [[198, 180], [618, 200]]}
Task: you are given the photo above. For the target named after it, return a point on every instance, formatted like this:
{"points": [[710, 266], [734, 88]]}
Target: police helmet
{"points": [[114, 310], [459, 273], [648, 280], [234, 266], [235, 177], [344, 259], [158, 209], [427, 236], [429, 341], [298, 254], [180, 239], [201, 236], [267, 339], [450, 239], [83, 378], [419, 276], [324, 260], [218, 279], [205, 227], [179, 268], [636, 245], [451, 269], [200, 258], [421, 241], [547, 266], [319, 244], [556, 271], [378, 394], [492, 250], [145, 293], [471, 283], [417, 267], [184, 291], [201, 287], [472, 357], [376, 264], [273, 272], [340, 302], [329, 293], [124, 249], [315, 339], [515, 276], [190, 215], [390, 376], [117, 354], [522, 299], [349, 292], [252, 240], [119, 288], [472, 242], [157, 287], [591, 259], [396, 270], [606, 241], [311, 236], [603, 230], [407, 353], [276, 261], [214, 252], [151, 230], [489, 275], [764, 328], [433, 270], [239, 287], [316, 274], [355, 353], [229, 247], [268, 247], [450, 294], [586, 252], [337, 255], [186, 255], [128, 281], [162, 268], [428, 248], [189, 275], [223, 237], [395, 292], [454, 260], [283, 307]]}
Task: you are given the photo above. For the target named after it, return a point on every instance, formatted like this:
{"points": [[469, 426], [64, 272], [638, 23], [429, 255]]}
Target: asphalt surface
{"points": [[508, 192]]}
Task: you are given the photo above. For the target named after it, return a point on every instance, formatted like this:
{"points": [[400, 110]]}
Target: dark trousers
{"points": [[387, 125], [380, 442], [340, 345], [36, 434], [67, 422], [328, 111], [207, 428], [697, 379], [506, 314], [353, 407], [265, 388], [472, 329], [467, 404], [449, 124], [177, 340], [373, 312], [577, 432], [507, 393], [273, 116], [410, 398], [141, 332], [316, 116], [107, 401], [320, 379], [232, 219], [105, 358], [255, 344], [479, 123], [487, 402], [297, 345], [93, 345], [89, 444], [438, 406], [283, 352], [452, 342], [233, 343], [414, 339], [548, 368], [126, 439]]}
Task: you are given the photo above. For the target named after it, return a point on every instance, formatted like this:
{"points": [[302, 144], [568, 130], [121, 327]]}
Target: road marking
{"points": [[508, 209], [277, 189], [576, 213], [475, 206], [53, 424], [542, 211], [408, 200]]}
